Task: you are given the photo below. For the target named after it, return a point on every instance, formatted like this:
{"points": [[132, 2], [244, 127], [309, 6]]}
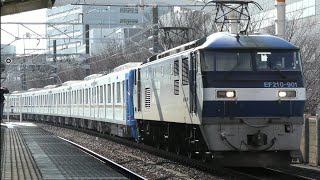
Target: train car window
{"points": [[77, 96], [176, 67], [73, 98], [185, 71], [94, 95], [109, 93], [89, 96], [238, 61], [104, 93], [118, 93], [101, 94], [85, 96], [171, 69], [97, 96], [65, 98], [113, 93], [147, 74], [80, 96]]}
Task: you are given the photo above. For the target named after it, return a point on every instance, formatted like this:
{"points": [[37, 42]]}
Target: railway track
{"points": [[215, 169]]}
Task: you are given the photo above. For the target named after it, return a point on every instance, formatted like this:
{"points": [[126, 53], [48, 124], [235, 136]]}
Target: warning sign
{"points": [[8, 60]]}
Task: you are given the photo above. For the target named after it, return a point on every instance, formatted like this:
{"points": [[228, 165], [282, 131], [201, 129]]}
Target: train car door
{"points": [[193, 83]]}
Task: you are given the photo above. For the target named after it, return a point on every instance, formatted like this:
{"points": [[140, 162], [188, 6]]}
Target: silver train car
{"points": [[237, 99]]}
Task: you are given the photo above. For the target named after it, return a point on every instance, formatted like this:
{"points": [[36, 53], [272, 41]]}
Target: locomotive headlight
{"points": [[230, 94], [226, 94], [287, 93], [282, 94]]}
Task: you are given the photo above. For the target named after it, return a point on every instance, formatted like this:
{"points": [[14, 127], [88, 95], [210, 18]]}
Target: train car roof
{"points": [[223, 40]]}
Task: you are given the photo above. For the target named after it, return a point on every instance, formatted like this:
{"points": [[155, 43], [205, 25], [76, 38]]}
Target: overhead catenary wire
{"points": [[78, 65]]}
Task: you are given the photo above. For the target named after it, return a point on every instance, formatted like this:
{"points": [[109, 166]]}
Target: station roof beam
{"points": [[18, 6]]}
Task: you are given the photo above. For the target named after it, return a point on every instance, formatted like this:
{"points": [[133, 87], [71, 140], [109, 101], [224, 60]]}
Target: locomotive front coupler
{"points": [[257, 139]]}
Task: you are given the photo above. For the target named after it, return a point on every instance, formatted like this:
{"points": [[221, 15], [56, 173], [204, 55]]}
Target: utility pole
{"points": [[23, 76], [155, 29], [86, 66], [55, 62]]}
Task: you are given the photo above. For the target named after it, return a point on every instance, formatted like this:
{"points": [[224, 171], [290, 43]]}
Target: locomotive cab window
{"points": [[227, 61], [277, 60]]}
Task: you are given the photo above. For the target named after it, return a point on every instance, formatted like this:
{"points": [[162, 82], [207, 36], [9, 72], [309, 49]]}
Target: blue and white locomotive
{"points": [[237, 98]]}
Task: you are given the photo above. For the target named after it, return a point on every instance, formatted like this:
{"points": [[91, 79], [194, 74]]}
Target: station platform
{"points": [[29, 152]]}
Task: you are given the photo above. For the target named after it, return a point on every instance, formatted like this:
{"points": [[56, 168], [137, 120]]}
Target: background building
{"points": [[301, 9], [70, 25], [8, 49], [103, 39]]}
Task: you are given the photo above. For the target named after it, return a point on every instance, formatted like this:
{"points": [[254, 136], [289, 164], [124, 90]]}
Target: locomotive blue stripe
{"points": [[252, 79], [253, 109], [131, 122]]}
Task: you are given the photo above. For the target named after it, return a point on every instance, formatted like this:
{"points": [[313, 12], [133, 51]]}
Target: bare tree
{"points": [[198, 23]]}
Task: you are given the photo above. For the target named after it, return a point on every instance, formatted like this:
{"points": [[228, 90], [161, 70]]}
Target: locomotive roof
{"points": [[224, 40]]}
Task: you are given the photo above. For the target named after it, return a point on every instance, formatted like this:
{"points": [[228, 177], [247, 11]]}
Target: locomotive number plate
{"points": [[280, 84]]}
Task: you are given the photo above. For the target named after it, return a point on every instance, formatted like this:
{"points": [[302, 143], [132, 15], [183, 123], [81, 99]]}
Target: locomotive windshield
{"points": [[243, 61], [227, 61], [277, 61]]}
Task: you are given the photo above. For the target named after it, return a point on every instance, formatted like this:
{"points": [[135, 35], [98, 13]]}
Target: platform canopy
{"points": [[17, 6]]}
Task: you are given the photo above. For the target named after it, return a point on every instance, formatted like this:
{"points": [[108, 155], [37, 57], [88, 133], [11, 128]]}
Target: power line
{"points": [[145, 5]]}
